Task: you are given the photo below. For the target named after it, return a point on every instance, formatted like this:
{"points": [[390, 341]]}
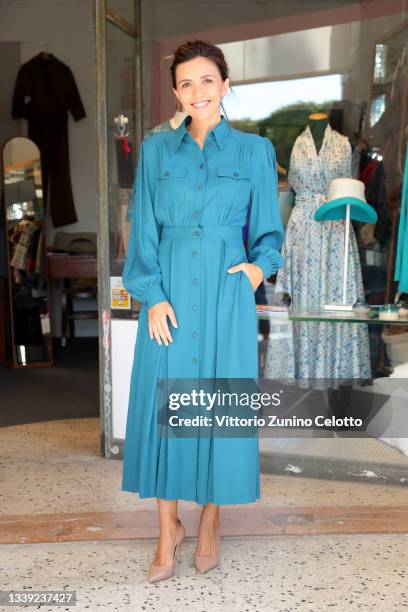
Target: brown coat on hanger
{"points": [[44, 92]]}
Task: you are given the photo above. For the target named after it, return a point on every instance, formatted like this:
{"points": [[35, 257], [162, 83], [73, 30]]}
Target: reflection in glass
{"points": [[122, 11], [26, 313], [122, 152]]}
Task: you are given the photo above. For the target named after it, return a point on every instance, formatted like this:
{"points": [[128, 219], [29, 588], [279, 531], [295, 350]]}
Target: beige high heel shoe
{"points": [[203, 563], [161, 572]]}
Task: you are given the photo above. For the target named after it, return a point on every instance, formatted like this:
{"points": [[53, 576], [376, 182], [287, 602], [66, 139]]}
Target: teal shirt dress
{"points": [[188, 212], [401, 262]]}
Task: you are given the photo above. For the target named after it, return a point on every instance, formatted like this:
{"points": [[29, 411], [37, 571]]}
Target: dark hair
{"points": [[198, 48]]}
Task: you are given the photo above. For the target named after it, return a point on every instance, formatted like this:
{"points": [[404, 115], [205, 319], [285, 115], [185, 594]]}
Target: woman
{"points": [[187, 265]]}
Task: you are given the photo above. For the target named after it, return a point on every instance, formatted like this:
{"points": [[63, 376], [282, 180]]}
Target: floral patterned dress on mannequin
{"points": [[326, 353]]}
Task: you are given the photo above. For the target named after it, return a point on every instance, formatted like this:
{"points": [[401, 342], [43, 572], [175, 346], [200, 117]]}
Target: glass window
{"points": [[333, 82]]}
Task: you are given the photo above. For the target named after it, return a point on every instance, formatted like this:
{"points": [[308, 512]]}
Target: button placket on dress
{"points": [[195, 259], [196, 263]]}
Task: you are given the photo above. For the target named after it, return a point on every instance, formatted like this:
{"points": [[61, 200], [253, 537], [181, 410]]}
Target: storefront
{"points": [[345, 60], [355, 61]]}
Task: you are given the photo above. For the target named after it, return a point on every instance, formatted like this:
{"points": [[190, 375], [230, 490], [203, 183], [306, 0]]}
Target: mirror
{"points": [[24, 295]]}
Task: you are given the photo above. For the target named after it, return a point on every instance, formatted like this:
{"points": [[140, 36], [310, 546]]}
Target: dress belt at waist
{"points": [[310, 195], [202, 230], [310, 201]]}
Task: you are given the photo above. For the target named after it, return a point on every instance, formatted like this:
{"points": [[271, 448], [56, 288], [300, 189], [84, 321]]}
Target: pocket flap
{"points": [[168, 172], [236, 172]]}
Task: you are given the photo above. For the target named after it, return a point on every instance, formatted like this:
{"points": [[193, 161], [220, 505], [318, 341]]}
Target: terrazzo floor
{"points": [[56, 467], [280, 574]]}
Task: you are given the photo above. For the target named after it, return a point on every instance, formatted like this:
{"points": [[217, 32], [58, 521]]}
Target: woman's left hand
{"points": [[253, 272]]}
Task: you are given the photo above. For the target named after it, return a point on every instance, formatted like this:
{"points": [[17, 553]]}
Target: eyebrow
{"points": [[202, 77]]}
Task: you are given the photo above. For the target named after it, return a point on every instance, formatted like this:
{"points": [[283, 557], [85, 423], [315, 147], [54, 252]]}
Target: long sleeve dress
{"points": [[186, 231]]}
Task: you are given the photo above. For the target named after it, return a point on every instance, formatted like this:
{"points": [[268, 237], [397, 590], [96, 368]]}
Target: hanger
{"points": [[121, 123], [45, 53]]}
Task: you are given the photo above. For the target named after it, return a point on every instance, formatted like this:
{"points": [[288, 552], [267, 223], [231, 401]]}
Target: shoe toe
{"points": [[157, 572], [203, 563]]}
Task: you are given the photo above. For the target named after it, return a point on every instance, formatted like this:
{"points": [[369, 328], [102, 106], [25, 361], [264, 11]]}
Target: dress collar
{"points": [[326, 135], [220, 132]]}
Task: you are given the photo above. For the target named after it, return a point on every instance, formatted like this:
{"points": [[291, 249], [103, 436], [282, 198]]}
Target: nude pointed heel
{"points": [[203, 563], [161, 572]]}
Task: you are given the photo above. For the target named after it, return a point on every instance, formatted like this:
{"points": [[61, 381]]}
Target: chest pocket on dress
{"points": [[233, 184], [171, 187], [236, 172], [171, 172]]}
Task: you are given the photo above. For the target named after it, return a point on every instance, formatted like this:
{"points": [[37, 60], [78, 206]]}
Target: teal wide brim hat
{"points": [[344, 191]]}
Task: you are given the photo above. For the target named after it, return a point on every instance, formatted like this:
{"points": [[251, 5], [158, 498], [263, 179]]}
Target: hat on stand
{"points": [[345, 191]]}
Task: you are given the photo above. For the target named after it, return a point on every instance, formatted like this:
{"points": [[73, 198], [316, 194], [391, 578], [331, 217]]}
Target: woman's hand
{"points": [[253, 272], [158, 327]]}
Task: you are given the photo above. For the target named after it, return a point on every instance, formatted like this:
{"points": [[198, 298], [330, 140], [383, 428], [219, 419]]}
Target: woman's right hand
{"points": [[158, 327]]}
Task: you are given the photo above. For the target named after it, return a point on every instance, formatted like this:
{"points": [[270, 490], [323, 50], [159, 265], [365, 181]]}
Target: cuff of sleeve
{"points": [[79, 115], [269, 265], [155, 295]]}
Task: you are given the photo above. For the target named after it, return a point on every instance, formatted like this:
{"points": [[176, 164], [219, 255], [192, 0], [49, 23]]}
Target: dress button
{"points": [[196, 213], [195, 253], [202, 166], [195, 281], [194, 360], [196, 233], [236, 174], [194, 334], [199, 186], [167, 174], [194, 307]]}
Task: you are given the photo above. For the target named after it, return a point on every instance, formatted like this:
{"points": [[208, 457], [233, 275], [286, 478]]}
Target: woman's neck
{"points": [[198, 128]]}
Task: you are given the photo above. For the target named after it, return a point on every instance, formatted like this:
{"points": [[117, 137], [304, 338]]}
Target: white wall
{"points": [[67, 27], [323, 50], [124, 334], [9, 64]]}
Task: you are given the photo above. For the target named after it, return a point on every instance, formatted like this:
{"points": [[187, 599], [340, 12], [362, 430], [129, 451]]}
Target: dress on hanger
{"points": [[44, 92], [312, 274], [189, 209]]}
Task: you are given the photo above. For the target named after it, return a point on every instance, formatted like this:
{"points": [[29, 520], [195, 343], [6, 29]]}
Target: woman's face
{"points": [[200, 88]]}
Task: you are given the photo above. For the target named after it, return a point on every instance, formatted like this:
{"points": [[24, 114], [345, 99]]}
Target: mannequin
{"points": [[172, 123], [318, 354], [317, 124], [178, 117]]}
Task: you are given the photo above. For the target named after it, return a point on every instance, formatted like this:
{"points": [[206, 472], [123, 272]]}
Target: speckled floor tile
{"points": [[55, 466], [280, 574]]}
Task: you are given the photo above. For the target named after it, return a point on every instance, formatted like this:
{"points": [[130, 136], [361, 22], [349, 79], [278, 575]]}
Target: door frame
{"points": [[103, 15]]}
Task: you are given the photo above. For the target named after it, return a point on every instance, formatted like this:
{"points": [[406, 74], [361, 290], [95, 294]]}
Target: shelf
{"points": [[299, 314]]}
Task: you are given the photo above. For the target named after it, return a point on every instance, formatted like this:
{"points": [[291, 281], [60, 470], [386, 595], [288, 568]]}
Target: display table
{"points": [[317, 314]]}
